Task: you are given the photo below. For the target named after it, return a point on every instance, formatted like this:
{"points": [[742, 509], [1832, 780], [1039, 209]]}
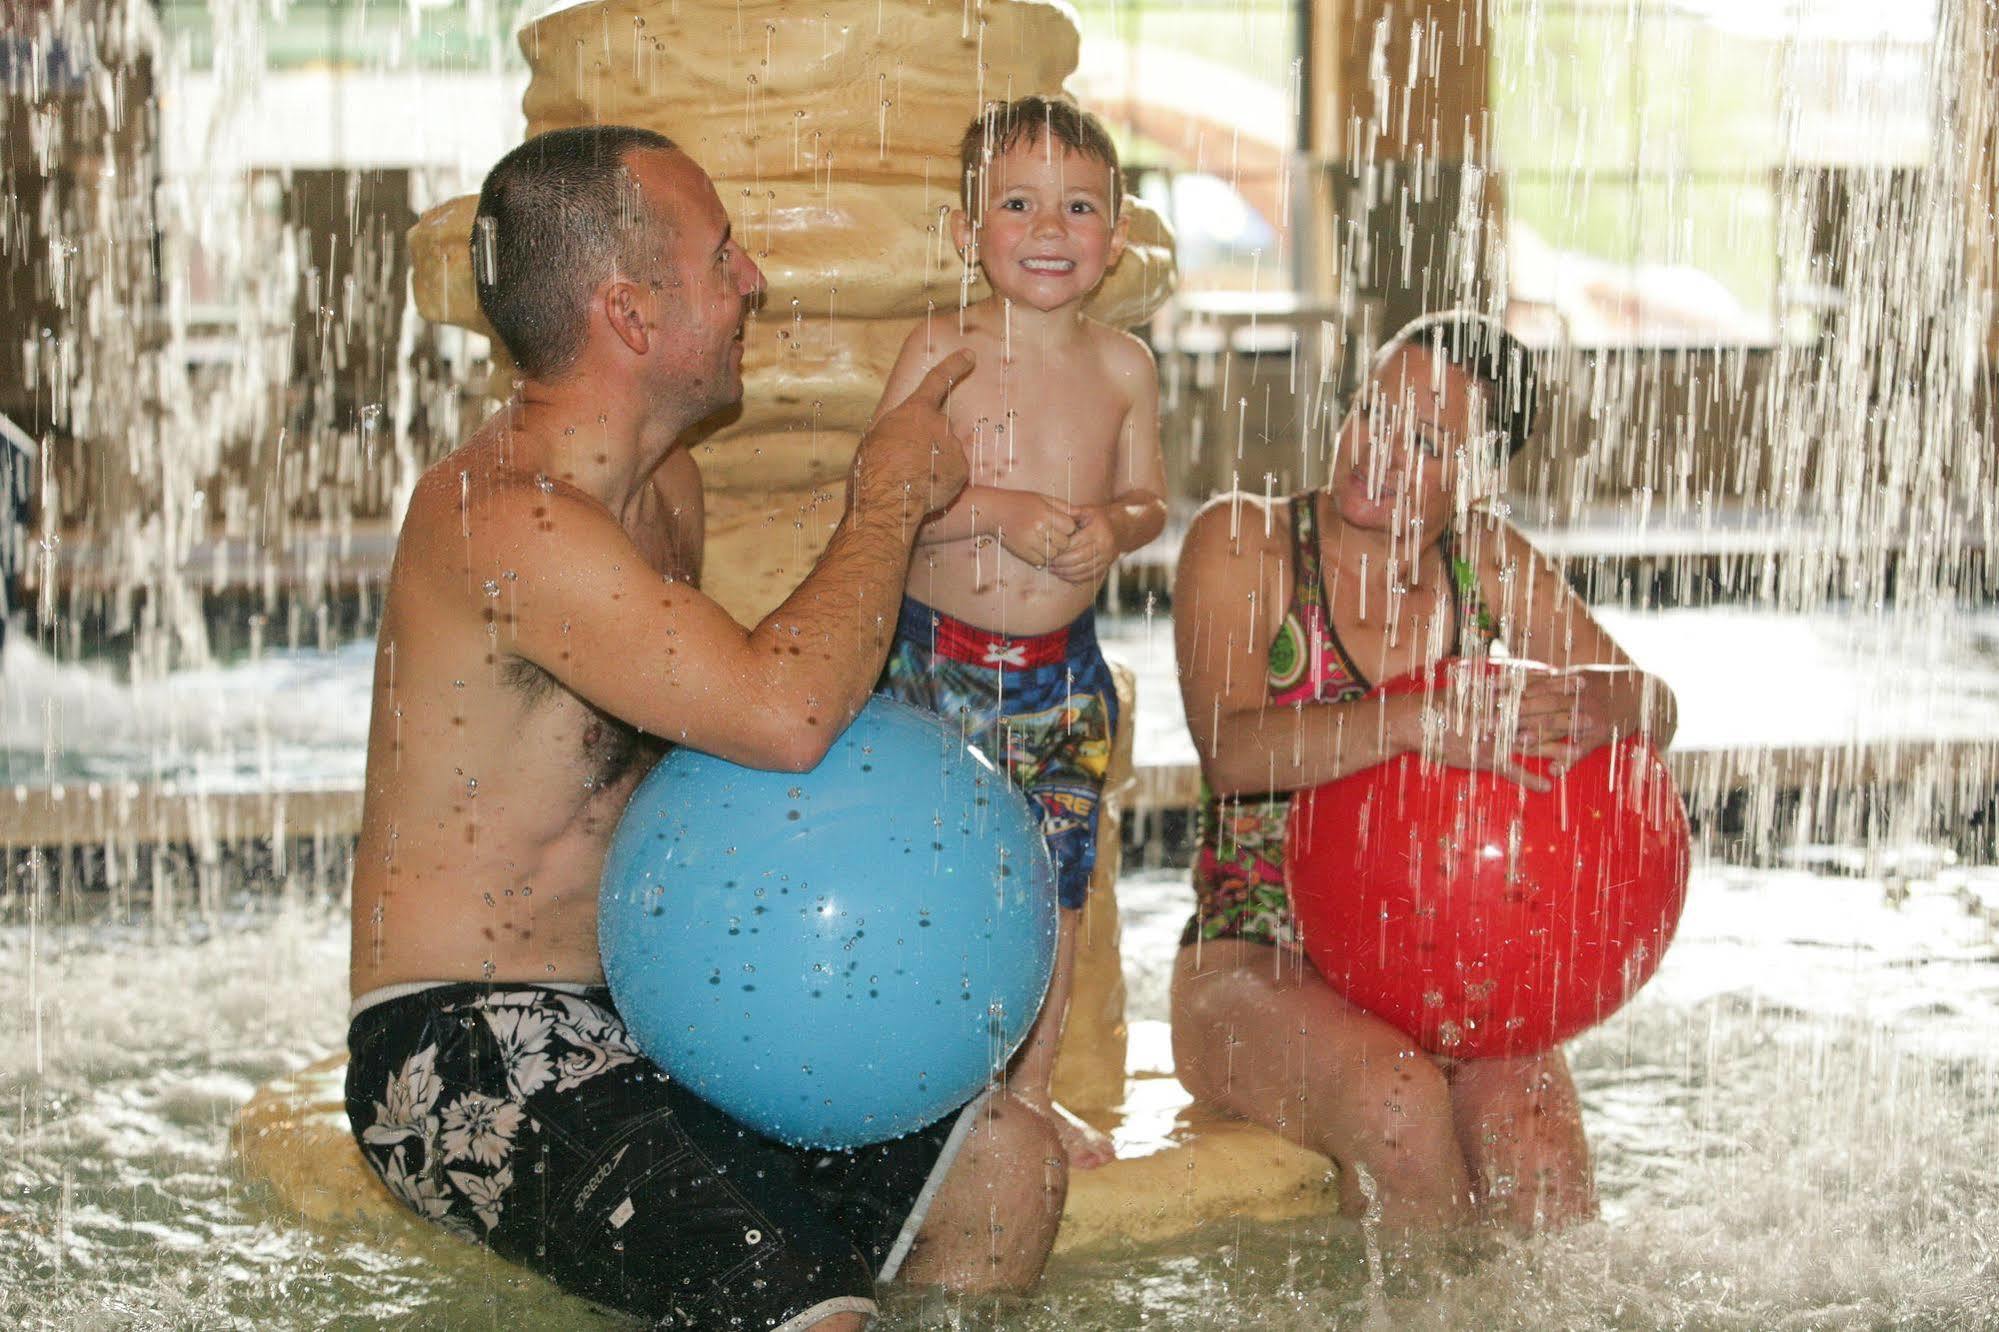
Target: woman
{"points": [[1286, 613]]}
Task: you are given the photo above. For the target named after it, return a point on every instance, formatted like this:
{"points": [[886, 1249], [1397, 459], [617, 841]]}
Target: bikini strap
{"points": [[1305, 581], [1468, 608]]}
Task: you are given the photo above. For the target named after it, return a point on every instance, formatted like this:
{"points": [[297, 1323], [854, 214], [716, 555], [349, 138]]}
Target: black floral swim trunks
{"points": [[523, 1117]]}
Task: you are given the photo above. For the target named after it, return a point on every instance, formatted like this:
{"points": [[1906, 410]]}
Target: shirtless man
{"points": [[544, 639]]}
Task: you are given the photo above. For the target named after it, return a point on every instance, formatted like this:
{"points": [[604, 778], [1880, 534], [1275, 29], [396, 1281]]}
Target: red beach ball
{"points": [[1483, 918]]}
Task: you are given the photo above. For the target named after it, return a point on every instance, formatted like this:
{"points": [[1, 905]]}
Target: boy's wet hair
{"points": [[557, 216], [1005, 125], [1480, 346]]}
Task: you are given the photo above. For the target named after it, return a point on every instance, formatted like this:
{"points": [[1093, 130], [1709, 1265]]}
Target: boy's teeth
{"points": [[1047, 265]]}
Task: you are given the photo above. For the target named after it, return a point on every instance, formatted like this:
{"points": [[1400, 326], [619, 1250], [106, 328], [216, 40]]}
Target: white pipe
{"points": [[19, 438]]}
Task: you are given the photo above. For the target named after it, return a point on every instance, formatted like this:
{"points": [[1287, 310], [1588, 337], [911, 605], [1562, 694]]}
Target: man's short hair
{"points": [[557, 216], [1480, 346], [1002, 126]]}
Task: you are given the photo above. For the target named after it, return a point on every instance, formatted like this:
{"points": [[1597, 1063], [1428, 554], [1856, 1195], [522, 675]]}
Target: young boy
{"points": [[1062, 412]]}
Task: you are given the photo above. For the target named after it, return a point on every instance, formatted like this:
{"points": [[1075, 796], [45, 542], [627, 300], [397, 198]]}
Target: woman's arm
{"points": [[1230, 593], [1229, 597], [1597, 695]]}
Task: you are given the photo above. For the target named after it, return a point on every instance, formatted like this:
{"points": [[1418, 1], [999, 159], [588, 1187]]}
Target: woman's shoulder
{"points": [[1238, 539], [1239, 522], [1488, 541]]}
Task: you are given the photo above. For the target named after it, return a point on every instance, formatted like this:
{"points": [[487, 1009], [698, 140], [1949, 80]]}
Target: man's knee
{"points": [[841, 1322], [994, 1223], [1011, 1125]]}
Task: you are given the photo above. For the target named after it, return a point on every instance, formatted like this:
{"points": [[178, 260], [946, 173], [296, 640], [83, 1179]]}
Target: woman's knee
{"points": [[1399, 1102], [1225, 1026]]}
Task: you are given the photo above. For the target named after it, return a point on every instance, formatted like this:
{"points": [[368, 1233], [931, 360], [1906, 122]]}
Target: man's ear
{"points": [[962, 233], [625, 311]]}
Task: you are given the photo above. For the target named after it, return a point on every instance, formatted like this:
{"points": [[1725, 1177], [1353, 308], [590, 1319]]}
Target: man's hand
{"points": [[1035, 528], [911, 450], [1090, 551]]}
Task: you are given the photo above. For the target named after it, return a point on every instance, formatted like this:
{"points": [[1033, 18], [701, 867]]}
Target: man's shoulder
{"points": [[477, 480], [472, 506]]}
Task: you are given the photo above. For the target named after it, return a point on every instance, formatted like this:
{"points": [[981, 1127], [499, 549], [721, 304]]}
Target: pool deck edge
{"points": [[119, 814]]}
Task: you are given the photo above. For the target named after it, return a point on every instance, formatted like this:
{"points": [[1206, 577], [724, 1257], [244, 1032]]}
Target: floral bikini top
{"points": [[1239, 862]]}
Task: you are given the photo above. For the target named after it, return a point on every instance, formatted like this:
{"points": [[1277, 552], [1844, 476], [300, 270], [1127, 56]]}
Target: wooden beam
{"points": [[1390, 76], [125, 813]]}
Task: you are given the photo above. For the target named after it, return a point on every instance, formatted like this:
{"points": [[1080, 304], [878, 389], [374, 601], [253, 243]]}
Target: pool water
{"points": [[1745, 677], [1796, 1126], [286, 720]]}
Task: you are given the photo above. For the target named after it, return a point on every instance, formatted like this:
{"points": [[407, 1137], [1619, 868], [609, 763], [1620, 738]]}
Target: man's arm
{"points": [[1027, 521], [568, 591]]}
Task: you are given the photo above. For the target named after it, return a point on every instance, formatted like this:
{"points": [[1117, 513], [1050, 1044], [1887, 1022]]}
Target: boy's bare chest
{"points": [[1041, 428]]}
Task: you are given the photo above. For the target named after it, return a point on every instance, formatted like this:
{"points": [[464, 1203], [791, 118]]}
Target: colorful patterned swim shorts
{"points": [[522, 1117], [1044, 707]]}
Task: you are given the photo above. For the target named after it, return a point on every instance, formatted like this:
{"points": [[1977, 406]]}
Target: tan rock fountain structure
{"points": [[831, 131]]}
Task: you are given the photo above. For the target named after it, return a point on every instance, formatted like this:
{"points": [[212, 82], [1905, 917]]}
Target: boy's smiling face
{"points": [[1045, 236]]}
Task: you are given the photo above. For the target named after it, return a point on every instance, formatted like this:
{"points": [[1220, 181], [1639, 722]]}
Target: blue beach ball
{"points": [[837, 957]]}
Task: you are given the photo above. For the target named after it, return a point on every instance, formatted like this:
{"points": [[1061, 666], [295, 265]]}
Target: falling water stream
{"points": [[1795, 1126]]}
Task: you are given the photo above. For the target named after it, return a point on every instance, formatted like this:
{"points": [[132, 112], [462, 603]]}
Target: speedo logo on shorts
{"points": [[597, 1180]]}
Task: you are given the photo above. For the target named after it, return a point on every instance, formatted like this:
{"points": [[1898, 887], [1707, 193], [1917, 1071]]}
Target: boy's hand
{"points": [[1091, 549], [912, 447], [1038, 529]]}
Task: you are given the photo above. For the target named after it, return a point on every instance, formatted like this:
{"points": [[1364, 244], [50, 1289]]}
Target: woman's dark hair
{"points": [[557, 216], [1480, 346]]}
